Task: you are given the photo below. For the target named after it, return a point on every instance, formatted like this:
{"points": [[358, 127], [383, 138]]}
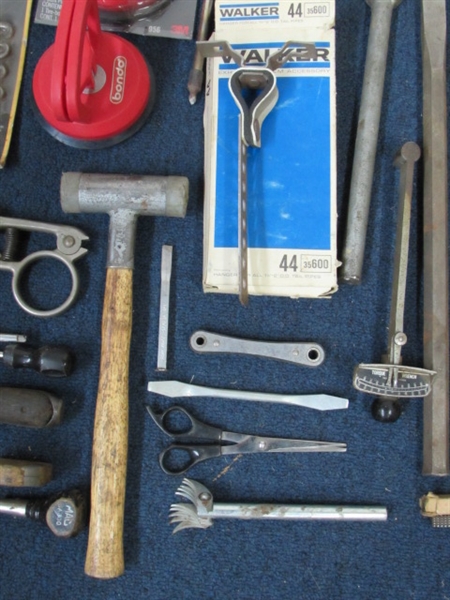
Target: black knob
{"points": [[386, 411]]}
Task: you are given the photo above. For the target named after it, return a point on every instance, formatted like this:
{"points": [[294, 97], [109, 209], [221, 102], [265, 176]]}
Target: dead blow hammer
{"points": [[124, 198]]}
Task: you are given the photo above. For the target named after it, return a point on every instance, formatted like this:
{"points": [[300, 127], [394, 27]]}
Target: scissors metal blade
{"points": [[253, 444]]}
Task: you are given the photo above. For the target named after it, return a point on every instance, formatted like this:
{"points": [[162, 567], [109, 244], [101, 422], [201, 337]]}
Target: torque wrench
{"points": [[311, 355], [366, 138], [435, 222], [391, 380]]}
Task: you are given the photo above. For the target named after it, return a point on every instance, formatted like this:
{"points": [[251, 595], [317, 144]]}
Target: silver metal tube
{"points": [[16, 508], [303, 512], [367, 139], [436, 332]]}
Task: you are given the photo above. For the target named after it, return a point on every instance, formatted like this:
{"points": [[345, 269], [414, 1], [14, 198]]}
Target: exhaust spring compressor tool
{"points": [[260, 84], [68, 250], [391, 380]]}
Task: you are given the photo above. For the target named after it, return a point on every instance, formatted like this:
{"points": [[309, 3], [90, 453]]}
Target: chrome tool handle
{"points": [[308, 354], [68, 250]]}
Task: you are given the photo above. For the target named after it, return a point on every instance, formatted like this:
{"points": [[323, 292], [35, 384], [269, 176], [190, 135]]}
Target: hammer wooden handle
{"points": [[104, 557]]}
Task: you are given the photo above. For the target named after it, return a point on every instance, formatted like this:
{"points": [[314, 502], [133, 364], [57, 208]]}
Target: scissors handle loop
{"points": [[196, 430], [179, 458]]}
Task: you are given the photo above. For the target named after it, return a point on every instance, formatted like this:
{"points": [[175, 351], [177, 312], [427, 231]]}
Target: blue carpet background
{"points": [[402, 558]]}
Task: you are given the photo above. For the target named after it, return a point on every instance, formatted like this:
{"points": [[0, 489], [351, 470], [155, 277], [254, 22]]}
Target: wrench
{"points": [[311, 355], [435, 278], [392, 380], [366, 139]]}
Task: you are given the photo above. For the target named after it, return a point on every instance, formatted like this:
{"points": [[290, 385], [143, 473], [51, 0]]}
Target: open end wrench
{"points": [[435, 277], [366, 139]]}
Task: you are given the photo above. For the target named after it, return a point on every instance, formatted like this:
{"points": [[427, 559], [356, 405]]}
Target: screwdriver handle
{"points": [[53, 361], [29, 408]]}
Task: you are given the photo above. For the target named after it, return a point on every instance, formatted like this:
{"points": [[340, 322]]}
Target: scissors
{"points": [[240, 443]]}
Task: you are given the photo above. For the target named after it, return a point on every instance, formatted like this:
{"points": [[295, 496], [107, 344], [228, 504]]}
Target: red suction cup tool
{"points": [[92, 89], [130, 10]]}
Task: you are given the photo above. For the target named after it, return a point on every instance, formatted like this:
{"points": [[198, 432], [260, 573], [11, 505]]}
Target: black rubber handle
{"points": [[29, 408], [53, 361]]}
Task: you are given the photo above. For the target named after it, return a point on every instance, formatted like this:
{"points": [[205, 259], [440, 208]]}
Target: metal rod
{"points": [[436, 333], [408, 156], [367, 139], [242, 216], [196, 75], [299, 512], [166, 272]]}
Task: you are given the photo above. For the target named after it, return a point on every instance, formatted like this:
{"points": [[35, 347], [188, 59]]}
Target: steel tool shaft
{"points": [[366, 138], [436, 333], [196, 76], [203, 510], [391, 380]]}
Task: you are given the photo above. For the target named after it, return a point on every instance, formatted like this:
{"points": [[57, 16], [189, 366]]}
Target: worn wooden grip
{"points": [[24, 473], [104, 557]]}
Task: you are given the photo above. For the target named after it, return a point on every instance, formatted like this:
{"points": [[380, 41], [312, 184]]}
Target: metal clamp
{"points": [[68, 250]]}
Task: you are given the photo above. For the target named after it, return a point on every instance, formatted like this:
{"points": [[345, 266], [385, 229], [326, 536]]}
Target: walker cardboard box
{"points": [[291, 178]]}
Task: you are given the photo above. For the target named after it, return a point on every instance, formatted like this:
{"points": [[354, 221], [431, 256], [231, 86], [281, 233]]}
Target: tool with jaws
{"points": [[392, 380], [254, 89]]}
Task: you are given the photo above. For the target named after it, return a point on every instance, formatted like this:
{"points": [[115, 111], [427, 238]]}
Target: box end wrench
{"points": [[308, 354]]}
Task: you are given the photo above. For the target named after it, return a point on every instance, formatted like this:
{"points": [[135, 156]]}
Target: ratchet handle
{"points": [[185, 456], [53, 361], [29, 408]]}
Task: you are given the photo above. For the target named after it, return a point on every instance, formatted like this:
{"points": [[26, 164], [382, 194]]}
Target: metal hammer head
{"points": [[124, 197]]}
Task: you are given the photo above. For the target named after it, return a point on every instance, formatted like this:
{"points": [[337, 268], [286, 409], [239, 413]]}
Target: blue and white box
{"points": [[292, 177]]}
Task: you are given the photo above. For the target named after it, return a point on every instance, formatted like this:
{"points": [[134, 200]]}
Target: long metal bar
{"points": [[436, 333], [367, 139], [406, 159], [166, 272]]}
